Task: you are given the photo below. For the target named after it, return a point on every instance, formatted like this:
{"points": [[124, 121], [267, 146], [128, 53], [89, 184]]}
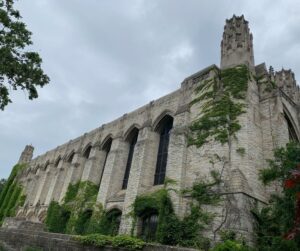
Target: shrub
{"points": [[100, 240], [33, 249], [97, 240], [231, 245], [127, 242]]}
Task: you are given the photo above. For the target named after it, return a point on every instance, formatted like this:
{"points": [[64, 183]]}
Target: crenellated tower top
{"points": [[26, 155], [237, 43], [285, 80]]}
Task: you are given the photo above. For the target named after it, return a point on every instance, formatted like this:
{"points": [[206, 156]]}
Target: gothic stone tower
{"points": [[237, 43], [26, 155], [270, 120]]}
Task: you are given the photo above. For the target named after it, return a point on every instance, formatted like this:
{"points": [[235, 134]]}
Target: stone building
{"points": [[133, 154]]}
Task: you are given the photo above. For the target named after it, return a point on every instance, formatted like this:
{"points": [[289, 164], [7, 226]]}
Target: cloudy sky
{"points": [[108, 57]]}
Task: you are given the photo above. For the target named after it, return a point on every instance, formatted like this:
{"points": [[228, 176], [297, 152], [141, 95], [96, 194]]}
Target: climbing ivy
{"points": [[109, 222], [222, 103], [80, 213], [172, 230], [241, 151], [11, 196], [57, 218], [71, 192], [82, 203], [74, 215]]}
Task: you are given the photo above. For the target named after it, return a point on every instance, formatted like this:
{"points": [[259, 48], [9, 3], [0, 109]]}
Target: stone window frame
{"points": [[131, 138], [164, 128]]}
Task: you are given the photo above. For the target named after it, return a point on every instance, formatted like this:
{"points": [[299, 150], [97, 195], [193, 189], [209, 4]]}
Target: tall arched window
{"points": [[87, 152], [57, 162], [292, 131], [149, 227], [114, 219], [83, 221], [132, 139], [70, 159], [106, 148], [164, 127]]}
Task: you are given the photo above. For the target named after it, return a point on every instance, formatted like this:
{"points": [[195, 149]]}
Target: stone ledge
{"points": [[18, 239]]}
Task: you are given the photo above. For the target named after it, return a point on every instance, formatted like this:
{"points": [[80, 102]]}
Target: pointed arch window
{"points": [[149, 227], [70, 159], [106, 148], [114, 220], [132, 139], [291, 129], [164, 128], [57, 162], [87, 152]]}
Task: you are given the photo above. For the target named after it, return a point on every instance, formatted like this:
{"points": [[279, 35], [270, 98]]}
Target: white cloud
{"points": [[139, 49]]}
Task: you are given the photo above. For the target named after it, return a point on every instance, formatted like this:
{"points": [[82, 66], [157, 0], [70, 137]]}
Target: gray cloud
{"points": [[106, 58]]}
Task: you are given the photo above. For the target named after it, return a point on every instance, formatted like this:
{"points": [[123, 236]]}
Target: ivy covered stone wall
{"points": [[12, 196], [80, 213]]}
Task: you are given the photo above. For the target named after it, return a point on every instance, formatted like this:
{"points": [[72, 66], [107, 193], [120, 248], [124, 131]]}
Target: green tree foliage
{"points": [[2, 183], [231, 245], [19, 68], [275, 220], [11, 194]]}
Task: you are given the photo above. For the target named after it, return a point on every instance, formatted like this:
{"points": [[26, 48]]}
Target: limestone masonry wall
{"points": [[271, 119]]}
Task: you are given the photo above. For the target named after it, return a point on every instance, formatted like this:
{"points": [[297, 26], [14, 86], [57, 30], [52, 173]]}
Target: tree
{"points": [[2, 183], [19, 68], [278, 225]]}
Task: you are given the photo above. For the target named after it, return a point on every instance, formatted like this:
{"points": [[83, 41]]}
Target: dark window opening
{"points": [[291, 129], [46, 167], [56, 163], [106, 147], [164, 129], [87, 152], [149, 227], [83, 221], [114, 220], [70, 159], [132, 140]]}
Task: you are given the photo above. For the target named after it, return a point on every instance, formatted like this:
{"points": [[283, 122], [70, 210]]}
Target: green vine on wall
{"points": [[11, 196], [80, 213], [75, 213], [57, 218], [222, 97], [172, 230]]}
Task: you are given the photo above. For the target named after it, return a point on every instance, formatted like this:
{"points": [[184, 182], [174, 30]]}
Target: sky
{"points": [[109, 57]]}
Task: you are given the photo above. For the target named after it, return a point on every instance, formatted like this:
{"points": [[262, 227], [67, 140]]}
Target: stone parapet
{"points": [[21, 239]]}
